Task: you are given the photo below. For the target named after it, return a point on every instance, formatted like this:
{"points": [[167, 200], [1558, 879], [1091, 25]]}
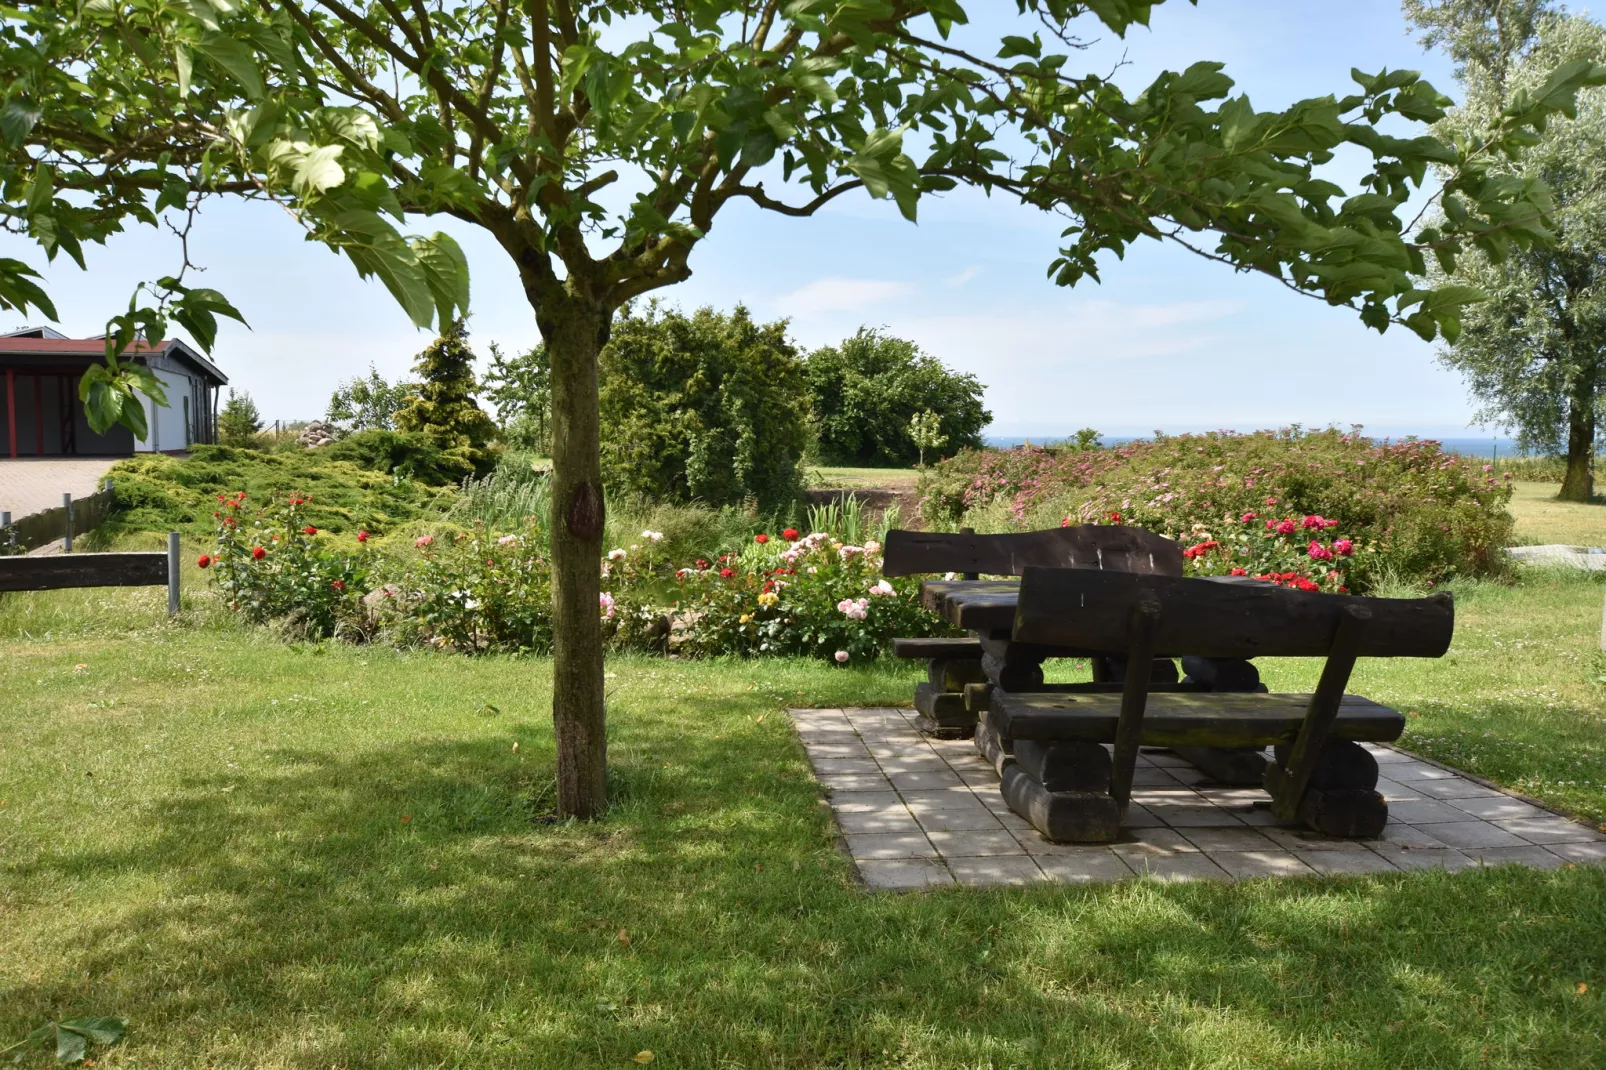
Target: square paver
{"points": [[1272, 863], [1476, 834], [1549, 829], [1405, 772], [1455, 788], [898, 820], [854, 782], [863, 802], [1176, 867], [1149, 843], [1386, 755], [1228, 839], [1338, 863], [975, 843], [1300, 840], [1499, 808], [975, 819], [890, 845], [1537, 857], [1425, 812], [1584, 854], [838, 750], [903, 874], [1423, 857], [1400, 834], [925, 779], [960, 798], [1202, 816], [1006, 869], [1084, 865], [849, 766], [1393, 792]]}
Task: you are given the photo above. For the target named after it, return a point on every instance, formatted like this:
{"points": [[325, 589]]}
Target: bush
{"points": [[239, 422], [472, 591], [868, 391], [705, 408], [443, 409], [370, 402], [398, 453], [1409, 510]]}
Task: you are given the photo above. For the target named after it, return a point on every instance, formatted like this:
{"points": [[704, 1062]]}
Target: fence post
{"points": [[66, 505], [5, 528], [172, 573]]}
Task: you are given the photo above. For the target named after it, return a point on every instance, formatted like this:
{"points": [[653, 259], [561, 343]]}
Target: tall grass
{"points": [[851, 521], [1541, 469]]}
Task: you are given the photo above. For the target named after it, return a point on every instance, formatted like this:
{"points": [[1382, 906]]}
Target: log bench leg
{"points": [[1062, 816], [1233, 766], [992, 746], [1342, 799], [943, 713]]}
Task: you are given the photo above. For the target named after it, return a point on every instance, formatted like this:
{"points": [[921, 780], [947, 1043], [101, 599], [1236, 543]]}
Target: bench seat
{"points": [[937, 648], [1183, 719]]}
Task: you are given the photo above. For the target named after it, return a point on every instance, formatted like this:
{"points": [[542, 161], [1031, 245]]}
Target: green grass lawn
{"points": [[862, 478], [1543, 519], [282, 856]]}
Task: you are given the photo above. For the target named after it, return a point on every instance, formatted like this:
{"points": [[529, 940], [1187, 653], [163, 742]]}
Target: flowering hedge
{"points": [[1406, 510]]}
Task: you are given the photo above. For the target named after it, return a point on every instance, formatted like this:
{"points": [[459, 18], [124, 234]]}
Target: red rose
{"points": [[1287, 527], [1247, 517], [362, 536], [1344, 547], [204, 561], [338, 585], [1239, 572], [761, 538], [726, 573], [790, 534], [309, 530], [259, 553]]}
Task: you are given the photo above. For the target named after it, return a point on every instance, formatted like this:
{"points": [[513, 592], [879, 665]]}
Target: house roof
{"points": [[29, 343]]}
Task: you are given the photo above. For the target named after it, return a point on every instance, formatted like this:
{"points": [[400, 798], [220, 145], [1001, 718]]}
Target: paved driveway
{"points": [[32, 484]]}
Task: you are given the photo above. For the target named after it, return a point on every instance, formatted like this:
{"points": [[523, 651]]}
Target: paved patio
{"points": [[917, 813], [31, 485]]}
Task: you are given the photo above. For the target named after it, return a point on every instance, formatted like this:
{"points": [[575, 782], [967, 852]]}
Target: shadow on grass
{"points": [[399, 907]]}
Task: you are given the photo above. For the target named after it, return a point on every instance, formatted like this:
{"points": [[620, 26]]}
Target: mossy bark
{"points": [[1578, 485]]}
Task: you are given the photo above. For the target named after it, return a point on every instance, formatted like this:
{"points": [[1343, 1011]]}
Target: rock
{"points": [[317, 433], [682, 630], [374, 602]]}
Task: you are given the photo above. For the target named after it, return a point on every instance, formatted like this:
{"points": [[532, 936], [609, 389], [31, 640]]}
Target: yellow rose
{"points": [[745, 618]]}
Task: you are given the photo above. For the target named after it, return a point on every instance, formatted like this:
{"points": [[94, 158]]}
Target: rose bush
{"points": [[270, 566]]}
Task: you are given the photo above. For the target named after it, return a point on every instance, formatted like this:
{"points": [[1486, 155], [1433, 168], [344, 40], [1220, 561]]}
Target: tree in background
{"points": [[925, 428], [521, 389], [444, 411], [239, 421], [369, 402], [513, 117], [1534, 352], [869, 388], [710, 408]]}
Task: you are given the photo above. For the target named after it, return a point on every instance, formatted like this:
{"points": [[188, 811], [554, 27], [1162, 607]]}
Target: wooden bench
{"points": [[1051, 747], [962, 672]]}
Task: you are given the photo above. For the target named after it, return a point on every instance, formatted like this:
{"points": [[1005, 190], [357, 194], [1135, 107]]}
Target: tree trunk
{"points": [[575, 331], [1579, 483]]}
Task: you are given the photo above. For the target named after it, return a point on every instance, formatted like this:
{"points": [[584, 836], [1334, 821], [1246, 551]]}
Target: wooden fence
{"points": [[54, 572], [71, 518]]}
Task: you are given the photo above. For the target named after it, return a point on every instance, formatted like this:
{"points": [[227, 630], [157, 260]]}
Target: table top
{"points": [[987, 607]]}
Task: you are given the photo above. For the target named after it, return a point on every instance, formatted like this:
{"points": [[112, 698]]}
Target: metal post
{"points": [[66, 505], [172, 573], [11, 536]]}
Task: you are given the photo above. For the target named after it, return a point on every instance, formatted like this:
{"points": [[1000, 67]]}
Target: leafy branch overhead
{"points": [[528, 119]]}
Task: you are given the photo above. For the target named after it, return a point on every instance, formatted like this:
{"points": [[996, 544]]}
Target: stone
{"points": [[1344, 863], [1475, 834], [1082, 865], [1548, 829], [1273, 863], [975, 842], [1006, 869], [904, 874], [890, 845]]}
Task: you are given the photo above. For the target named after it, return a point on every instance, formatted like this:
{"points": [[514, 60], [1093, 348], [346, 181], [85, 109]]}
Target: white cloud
{"points": [[958, 280], [840, 295]]}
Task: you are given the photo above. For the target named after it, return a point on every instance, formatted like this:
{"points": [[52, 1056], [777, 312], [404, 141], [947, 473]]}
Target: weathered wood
{"points": [[952, 674], [975, 605], [1079, 608], [1064, 765], [935, 648], [1020, 674], [942, 707], [1087, 546], [59, 571], [1112, 668], [1341, 812], [1354, 623], [1235, 766], [1062, 816], [1145, 623], [1223, 674], [1343, 765], [1188, 718], [990, 746], [978, 696]]}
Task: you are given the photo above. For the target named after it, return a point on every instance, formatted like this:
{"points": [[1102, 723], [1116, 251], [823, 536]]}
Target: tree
{"points": [[239, 422], [368, 402], [925, 428], [711, 408], [356, 115], [868, 389], [1534, 353], [444, 411], [521, 389]]}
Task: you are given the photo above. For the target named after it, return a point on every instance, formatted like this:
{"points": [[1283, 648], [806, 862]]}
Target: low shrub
{"points": [[470, 591], [406, 454], [1407, 510]]}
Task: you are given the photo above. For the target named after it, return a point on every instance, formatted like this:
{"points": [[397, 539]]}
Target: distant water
{"points": [[1491, 447]]}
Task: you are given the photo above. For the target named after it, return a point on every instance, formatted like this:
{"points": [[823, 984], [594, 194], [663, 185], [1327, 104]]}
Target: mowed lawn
{"points": [[1542, 519], [321, 856]]}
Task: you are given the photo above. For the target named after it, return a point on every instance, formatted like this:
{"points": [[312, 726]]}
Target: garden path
{"points": [[918, 812], [31, 485]]}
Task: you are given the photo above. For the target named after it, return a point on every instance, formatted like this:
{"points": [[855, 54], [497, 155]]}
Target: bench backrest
{"points": [[1115, 548], [1205, 618]]}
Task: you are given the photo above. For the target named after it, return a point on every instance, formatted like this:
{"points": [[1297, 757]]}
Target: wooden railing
{"points": [[54, 572]]}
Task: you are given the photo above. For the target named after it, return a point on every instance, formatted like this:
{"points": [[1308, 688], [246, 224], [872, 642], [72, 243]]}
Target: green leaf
{"points": [[99, 1029], [71, 1047], [234, 58], [318, 170], [17, 120]]}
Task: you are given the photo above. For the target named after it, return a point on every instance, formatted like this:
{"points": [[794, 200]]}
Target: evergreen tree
{"points": [[239, 422], [521, 389], [444, 410]]}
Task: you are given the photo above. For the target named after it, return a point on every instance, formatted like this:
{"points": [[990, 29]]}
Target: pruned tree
{"points": [[597, 141], [1534, 353]]}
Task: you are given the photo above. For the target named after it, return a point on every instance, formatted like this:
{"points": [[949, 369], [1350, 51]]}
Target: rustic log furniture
{"points": [[962, 672], [1050, 745]]}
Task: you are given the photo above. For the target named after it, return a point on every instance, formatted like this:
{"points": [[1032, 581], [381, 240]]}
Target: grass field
{"points": [[862, 478], [266, 855], [1543, 519]]}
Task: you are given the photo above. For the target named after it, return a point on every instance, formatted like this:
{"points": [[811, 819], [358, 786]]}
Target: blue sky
{"points": [[1167, 341]]}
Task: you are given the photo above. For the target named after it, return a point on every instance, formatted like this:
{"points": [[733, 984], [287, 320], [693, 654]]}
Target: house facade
{"points": [[41, 416]]}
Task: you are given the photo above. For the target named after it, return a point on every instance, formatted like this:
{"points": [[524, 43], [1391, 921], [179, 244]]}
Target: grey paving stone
{"points": [[1140, 843], [899, 820], [1175, 867], [854, 782], [857, 766], [890, 845], [984, 777], [865, 802], [1233, 797], [1500, 808], [1174, 796], [1476, 834], [903, 874], [1549, 829], [913, 765], [1537, 857], [838, 750], [960, 798], [1194, 816], [1336, 863], [975, 843], [1387, 755], [1084, 865], [882, 751], [1139, 817], [1012, 821], [1228, 839], [1455, 788], [1393, 792], [1425, 812], [973, 820], [1423, 857], [1300, 840], [1581, 853], [1272, 863], [1405, 772], [1165, 759], [1187, 775], [925, 779], [1006, 869], [1153, 777], [1258, 816], [1401, 834]]}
